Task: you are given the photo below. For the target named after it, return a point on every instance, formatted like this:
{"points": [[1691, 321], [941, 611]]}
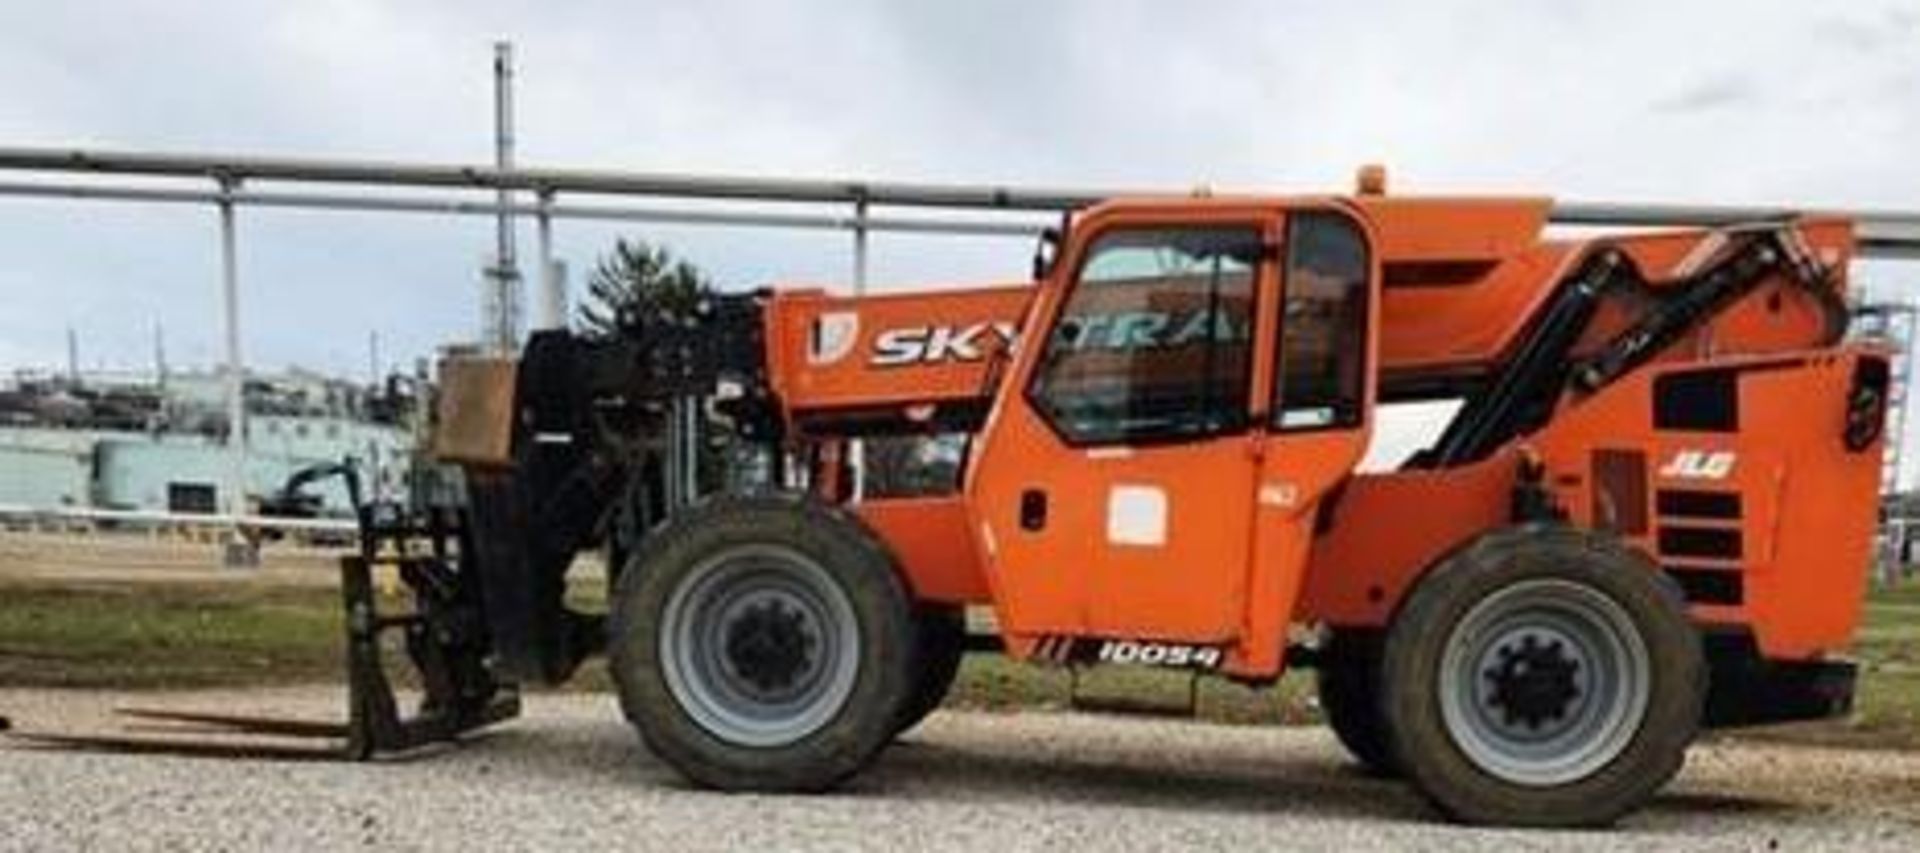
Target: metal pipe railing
{"points": [[450, 206], [1883, 233], [367, 172]]}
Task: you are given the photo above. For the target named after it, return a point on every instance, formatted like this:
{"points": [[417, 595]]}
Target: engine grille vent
{"points": [[1700, 541]]}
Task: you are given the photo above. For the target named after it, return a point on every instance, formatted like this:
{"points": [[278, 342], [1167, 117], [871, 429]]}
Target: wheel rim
{"points": [[759, 645], [1544, 682]]}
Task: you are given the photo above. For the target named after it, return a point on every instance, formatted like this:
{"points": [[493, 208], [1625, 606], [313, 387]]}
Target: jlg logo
{"points": [[1699, 465]]}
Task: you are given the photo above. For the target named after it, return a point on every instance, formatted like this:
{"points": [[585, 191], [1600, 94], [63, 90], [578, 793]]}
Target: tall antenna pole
{"points": [[502, 311], [160, 354]]}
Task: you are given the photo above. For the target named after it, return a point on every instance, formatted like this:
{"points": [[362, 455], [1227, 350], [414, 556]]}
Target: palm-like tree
{"points": [[639, 280]]}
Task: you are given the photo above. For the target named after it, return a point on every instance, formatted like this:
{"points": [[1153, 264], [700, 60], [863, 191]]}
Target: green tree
{"points": [[638, 279], [635, 280]]}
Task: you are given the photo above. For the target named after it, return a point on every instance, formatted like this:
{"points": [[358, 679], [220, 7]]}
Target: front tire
{"points": [[763, 643], [1543, 676]]}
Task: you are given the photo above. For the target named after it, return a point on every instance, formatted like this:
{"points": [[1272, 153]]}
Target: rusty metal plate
{"points": [[474, 426]]}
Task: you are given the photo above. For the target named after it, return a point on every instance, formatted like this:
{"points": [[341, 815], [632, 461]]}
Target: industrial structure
{"points": [[111, 445], [1893, 325]]}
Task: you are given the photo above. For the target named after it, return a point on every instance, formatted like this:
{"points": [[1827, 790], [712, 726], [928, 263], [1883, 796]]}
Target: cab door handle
{"points": [[1033, 510]]}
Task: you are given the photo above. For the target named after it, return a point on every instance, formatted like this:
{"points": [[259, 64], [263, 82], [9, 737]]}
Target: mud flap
{"points": [[1745, 689]]}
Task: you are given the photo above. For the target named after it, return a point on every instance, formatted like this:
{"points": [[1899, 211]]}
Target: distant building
{"points": [[125, 443]]}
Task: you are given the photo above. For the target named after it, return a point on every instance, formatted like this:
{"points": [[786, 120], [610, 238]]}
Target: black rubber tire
{"points": [[864, 571], [940, 642], [1349, 685], [1430, 756]]}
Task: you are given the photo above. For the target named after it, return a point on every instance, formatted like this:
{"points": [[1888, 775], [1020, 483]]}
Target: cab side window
{"points": [[1321, 380], [1154, 343]]}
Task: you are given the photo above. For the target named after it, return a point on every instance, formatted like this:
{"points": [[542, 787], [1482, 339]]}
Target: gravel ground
{"points": [[571, 775]]}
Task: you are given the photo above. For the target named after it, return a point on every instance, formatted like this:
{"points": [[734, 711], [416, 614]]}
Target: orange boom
{"points": [[1650, 512]]}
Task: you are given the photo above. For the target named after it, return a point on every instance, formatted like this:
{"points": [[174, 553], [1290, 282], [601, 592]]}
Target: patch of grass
{"points": [[138, 636], [159, 636], [1905, 593], [153, 636]]}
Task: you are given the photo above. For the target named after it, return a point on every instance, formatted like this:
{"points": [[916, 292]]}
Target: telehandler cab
{"points": [[1651, 512]]}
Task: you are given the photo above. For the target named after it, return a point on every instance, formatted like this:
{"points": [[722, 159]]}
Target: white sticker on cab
{"points": [[1137, 515]]}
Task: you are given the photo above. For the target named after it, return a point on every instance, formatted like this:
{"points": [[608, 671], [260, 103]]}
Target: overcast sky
{"points": [[1789, 102]]}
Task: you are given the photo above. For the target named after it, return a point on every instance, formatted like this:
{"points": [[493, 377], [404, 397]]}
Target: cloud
{"points": [[1715, 94], [1870, 29]]}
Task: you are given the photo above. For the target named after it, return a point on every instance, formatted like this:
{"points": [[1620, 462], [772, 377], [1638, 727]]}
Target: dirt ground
{"points": [[138, 558]]}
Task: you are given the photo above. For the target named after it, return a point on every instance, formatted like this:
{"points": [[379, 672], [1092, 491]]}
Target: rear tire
{"points": [[940, 642], [1542, 676], [763, 643], [1349, 686]]}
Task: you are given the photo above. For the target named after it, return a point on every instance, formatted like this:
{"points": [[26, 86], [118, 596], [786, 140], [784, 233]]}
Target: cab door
{"points": [[1113, 488], [1318, 415]]}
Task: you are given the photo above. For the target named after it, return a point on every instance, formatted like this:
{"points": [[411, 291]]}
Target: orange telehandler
{"points": [[1650, 512]]}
